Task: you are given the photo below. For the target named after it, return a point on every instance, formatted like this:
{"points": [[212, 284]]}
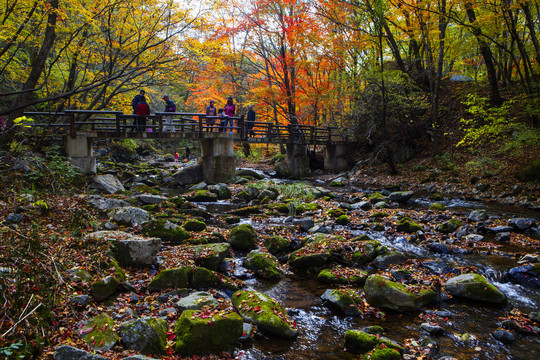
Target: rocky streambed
{"points": [[271, 269]]}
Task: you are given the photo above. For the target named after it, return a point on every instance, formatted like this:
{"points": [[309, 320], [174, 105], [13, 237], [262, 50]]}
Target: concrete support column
{"points": [[335, 158], [218, 161], [297, 160], [80, 153]]}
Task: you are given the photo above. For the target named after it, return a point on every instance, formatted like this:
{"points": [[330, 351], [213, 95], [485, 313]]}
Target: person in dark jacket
{"points": [[169, 107], [136, 100], [250, 122], [143, 110]]}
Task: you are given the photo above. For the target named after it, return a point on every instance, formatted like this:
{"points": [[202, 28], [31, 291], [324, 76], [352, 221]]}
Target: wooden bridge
{"points": [[117, 125], [218, 162]]}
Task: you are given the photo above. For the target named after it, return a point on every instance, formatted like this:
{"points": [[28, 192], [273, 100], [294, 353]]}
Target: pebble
{"points": [[503, 336], [434, 330]]}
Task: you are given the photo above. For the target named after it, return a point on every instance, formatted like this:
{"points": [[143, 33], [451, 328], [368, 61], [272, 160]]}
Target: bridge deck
{"points": [[195, 126]]}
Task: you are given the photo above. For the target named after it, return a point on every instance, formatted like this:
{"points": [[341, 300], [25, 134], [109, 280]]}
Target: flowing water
{"points": [[321, 329]]}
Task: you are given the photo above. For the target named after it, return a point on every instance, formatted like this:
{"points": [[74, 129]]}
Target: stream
{"points": [[321, 327]]}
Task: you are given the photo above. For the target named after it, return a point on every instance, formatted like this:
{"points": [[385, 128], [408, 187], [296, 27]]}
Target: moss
{"points": [[173, 278], [194, 225], [99, 334], [203, 278], [243, 237], [335, 213], [119, 273], [281, 208], [362, 342], [263, 311], [384, 354], [378, 215], [165, 230], [437, 206], [178, 201], [476, 287], [140, 189], [343, 220], [374, 330], [248, 210], [244, 195], [276, 244], [368, 251], [343, 276], [336, 183], [436, 197], [151, 207], [301, 208], [212, 255], [264, 265], [147, 335], [200, 332], [348, 300], [377, 197], [102, 289], [381, 291], [405, 224], [449, 226], [201, 196]]}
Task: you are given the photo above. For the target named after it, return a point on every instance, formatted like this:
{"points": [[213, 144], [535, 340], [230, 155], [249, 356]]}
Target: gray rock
{"points": [[500, 229], [14, 218], [320, 229], [482, 187], [439, 313], [102, 289], [249, 172], [526, 275], [150, 199], [343, 301], [362, 205], [503, 237], [392, 257], [474, 237], [196, 301], [529, 258], [138, 357], [130, 216], [147, 335], [401, 196], [474, 287], [503, 336], [221, 190], [200, 186], [102, 203], [81, 300], [478, 215], [434, 330], [304, 223], [522, 224], [438, 267], [130, 250], [65, 352], [108, 184], [535, 316], [191, 174]]}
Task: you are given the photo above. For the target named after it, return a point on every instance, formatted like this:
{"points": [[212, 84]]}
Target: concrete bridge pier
{"points": [[81, 153], [336, 158], [297, 160], [218, 161]]}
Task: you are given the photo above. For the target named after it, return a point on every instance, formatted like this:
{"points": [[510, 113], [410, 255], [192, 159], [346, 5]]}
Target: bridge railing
{"points": [[117, 122]]}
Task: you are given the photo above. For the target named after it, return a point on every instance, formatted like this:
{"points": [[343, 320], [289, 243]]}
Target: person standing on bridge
{"points": [[229, 111], [210, 111], [142, 111], [250, 121], [169, 107], [136, 100]]}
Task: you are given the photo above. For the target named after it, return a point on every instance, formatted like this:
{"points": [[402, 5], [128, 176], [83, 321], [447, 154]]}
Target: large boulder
{"points": [[392, 257], [166, 231], [98, 333], [522, 224], [129, 250], [249, 172], [263, 264], [102, 203], [147, 335], [66, 352], [527, 275], [188, 175], [203, 278], [210, 256], [130, 215], [221, 190], [383, 292], [265, 312], [202, 332], [347, 300], [243, 237], [171, 279], [474, 287], [108, 184]]}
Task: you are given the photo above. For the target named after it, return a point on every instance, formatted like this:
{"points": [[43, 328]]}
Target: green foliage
{"points": [[495, 126], [128, 144], [7, 351], [445, 162]]}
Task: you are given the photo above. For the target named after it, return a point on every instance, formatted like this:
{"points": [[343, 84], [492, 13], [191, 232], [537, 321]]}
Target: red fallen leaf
{"points": [[209, 323], [86, 331], [104, 327], [100, 343], [171, 336]]}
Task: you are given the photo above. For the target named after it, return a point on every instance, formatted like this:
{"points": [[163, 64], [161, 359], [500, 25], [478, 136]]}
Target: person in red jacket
{"points": [[142, 111]]}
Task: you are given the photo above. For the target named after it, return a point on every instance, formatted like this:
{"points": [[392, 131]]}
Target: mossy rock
{"points": [[360, 342], [221, 190], [345, 276], [337, 183], [151, 207], [474, 287], [171, 279], [203, 278], [243, 237], [377, 197], [437, 207], [349, 301], [436, 197], [301, 208], [216, 237], [102, 289], [230, 219], [265, 312], [276, 244], [195, 212], [197, 301], [210, 256], [204, 332], [244, 195], [299, 260], [141, 189], [531, 172], [165, 230], [383, 354], [364, 252], [178, 201], [270, 193], [449, 226], [343, 220], [405, 224], [282, 208], [201, 196], [99, 334], [335, 213], [383, 292], [248, 210], [194, 225], [147, 335], [264, 265], [250, 173]]}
